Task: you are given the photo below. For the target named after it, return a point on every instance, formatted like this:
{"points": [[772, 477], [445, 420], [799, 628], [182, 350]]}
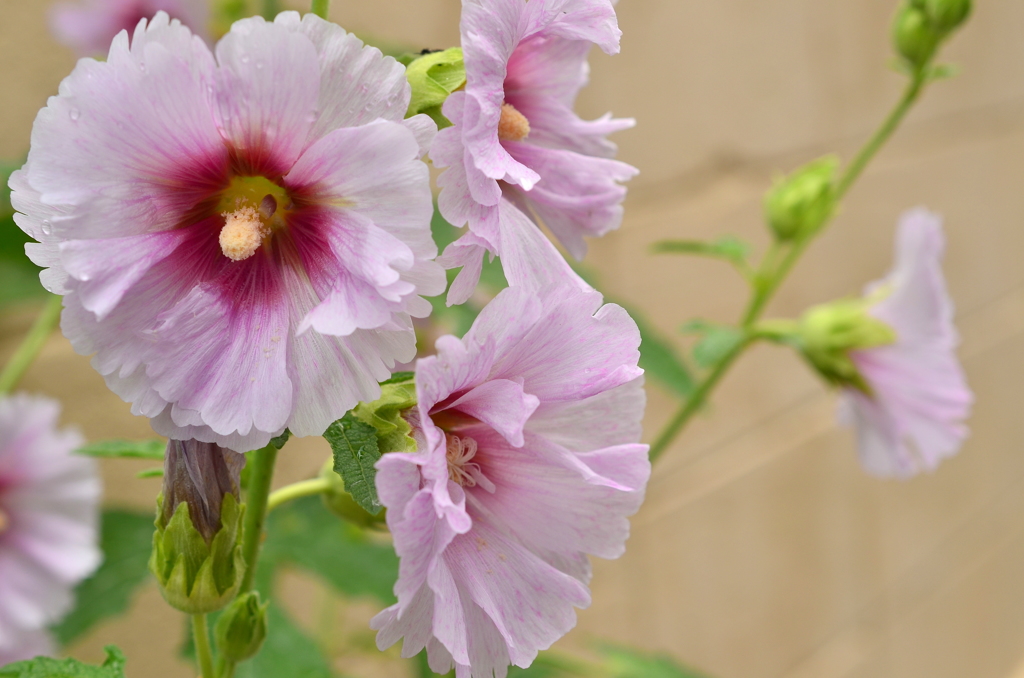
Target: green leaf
{"points": [[626, 663], [717, 341], [305, 534], [44, 667], [126, 540], [660, 361], [150, 473], [280, 440], [125, 449], [729, 248], [355, 448]]}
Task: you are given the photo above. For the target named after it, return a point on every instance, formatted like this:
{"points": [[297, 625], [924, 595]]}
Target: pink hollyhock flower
{"points": [[241, 241], [517, 152], [88, 27], [528, 461], [919, 396], [49, 501]]}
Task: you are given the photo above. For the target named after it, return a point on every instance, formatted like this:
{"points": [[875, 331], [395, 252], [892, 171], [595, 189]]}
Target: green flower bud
{"points": [[339, 502], [197, 557], [828, 333], [800, 203], [945, 15], [915, 36], [242, 627], [433, 76]]}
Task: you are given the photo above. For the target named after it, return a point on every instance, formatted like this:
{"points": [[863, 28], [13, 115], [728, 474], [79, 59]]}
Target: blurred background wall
{"points": [[763, 551]]}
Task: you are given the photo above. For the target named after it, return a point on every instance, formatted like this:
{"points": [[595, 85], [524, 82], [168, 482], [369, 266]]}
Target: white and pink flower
{"points": [[89, 26], [529, 460], [240, 238], [913, 417], [518, 153], [49, 513]]}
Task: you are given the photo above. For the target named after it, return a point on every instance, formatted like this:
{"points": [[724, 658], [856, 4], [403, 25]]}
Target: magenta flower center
{"points": [[461, 467], [513, 125]]}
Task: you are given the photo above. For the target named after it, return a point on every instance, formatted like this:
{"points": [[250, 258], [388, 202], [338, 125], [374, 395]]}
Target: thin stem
{"points": [[202, 637], [31, 345], [320, 8], [771, 274], [854, 170], [256, 495], [695, 401], [305, 488]]}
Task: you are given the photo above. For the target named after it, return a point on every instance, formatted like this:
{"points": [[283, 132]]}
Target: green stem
{"points": [[202, 637], [771, 274], [870, 149], [305, 488], [695, 401], [320, 8], [271, 8], [31, 345], [256, 496]]}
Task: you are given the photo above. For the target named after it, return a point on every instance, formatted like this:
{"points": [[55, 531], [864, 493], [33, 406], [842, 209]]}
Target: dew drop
{"points": [[47, 228], [259, 65], [245, 58], [74, 114]]}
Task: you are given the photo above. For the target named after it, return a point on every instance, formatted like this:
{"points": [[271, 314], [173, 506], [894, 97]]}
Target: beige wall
{"points": [[763, 551]]}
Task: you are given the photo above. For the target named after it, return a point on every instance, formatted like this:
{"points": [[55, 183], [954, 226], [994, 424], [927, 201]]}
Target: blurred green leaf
{"points": [[356, 450], [728, 247], [716, 341], [44, 667], [126, 539], [125, 449], [19, 277], [305, 534], [626, 663]]}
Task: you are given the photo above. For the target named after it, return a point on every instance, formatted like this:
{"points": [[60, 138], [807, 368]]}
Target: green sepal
{"points": [[828, 333], [397, 395], [196, 577], [798, 204], [434, 76], [45, 667], [242, 627]]}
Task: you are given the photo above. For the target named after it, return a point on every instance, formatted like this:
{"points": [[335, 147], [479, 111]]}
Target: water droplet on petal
{"points": [[259, 65], [74, 114], [245, 58], [47, 228]]}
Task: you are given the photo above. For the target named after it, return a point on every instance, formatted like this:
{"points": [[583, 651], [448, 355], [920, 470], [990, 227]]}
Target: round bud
{"points": [[799, 203], [914, 35], [242, 628]]}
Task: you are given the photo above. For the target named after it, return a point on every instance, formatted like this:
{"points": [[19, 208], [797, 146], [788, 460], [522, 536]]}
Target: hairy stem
{"points": [[773, 274], [203, 652], [305, 488], [31, 345], [256, 496]]}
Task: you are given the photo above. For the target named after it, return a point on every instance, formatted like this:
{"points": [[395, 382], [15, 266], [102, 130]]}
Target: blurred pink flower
{"points": [[89, 26], [240, 242], [913, 419], [49, 503], [529, 460], [28, 645], [517, 152]]}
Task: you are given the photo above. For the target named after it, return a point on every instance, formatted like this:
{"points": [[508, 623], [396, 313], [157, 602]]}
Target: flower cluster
{"points": [[49, 502]]}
